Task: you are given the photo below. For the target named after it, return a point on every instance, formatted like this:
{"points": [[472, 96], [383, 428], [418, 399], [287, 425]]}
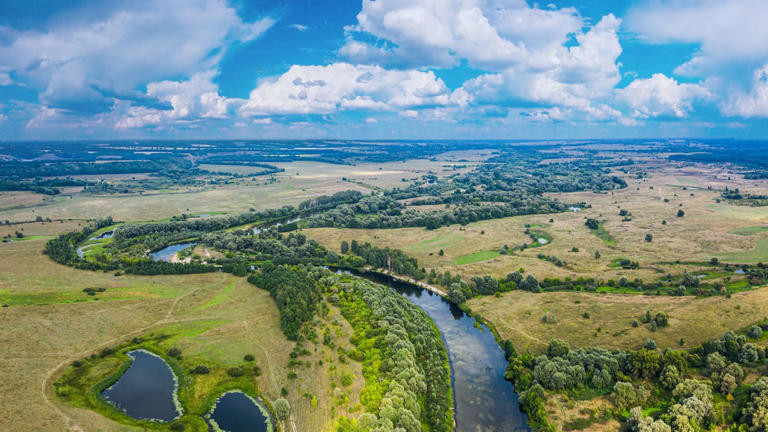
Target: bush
{"points": [[257, 371], [235, 372], [557, 348], [174, 352], [200, 370], [177, 427], [282, 409], [650, 344], [249, 357], [755, 332]]}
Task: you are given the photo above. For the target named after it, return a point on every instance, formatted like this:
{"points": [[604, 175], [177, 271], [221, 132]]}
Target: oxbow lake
{"points": [[147, 390], [166, 254], [237, 412]]}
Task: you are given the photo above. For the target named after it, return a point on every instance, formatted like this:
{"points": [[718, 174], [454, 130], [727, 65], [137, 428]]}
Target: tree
{"points": [[455, 294], [530, 284], [344, 247], [680, 213], [592, 224], [670, 377], [649, 238], [650, 344], [636, 422], [728, 384], [282, 409], [690, 281], [509, 350], [755, 332], [625, 394], [661, 319], [557, 348]]}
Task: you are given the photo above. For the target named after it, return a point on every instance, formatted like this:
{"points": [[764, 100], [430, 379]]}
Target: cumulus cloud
{"points": [[732, 50], [490, 34], [753, 103], [546, 57], [660, 95], [196, 98], [344, 86], [84, 65], [576, 77], [728, 31]]}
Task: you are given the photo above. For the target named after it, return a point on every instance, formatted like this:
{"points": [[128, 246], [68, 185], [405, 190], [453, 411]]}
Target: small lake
{"points": [[484, 400], [147, 390], [237, 412], [105, 235], [168, 253]]}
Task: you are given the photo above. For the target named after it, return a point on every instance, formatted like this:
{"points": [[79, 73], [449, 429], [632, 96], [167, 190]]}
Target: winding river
{"points": [[484, 400]]}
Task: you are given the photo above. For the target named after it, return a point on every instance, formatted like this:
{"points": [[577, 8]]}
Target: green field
{"points": [[748, 231], [476, 257], [756, 255]]}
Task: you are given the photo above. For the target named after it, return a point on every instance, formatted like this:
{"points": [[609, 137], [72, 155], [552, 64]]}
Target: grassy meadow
{"points": [[213, 318]]}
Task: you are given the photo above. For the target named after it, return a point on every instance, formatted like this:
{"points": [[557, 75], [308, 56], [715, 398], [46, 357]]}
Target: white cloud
{"points": [[85, 64], [732, 46], [489, 34], [577, 78], [196, 98], [299, 27], [660, 96], [343, 86], [753, 103], [728, 31]]}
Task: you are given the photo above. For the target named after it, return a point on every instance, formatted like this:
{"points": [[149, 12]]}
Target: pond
{"points": [[147, 389], [235, 411], [105, 235], [169, 252], [484, 400]]}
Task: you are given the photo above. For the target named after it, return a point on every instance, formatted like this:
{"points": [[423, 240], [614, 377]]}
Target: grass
{"points": [[604, 235], [517, 316], [476, 257], [220, 298], [758, 254], [748, 231], [214, 318]]}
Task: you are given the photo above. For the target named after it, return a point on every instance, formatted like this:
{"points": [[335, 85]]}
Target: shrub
{"points": [[755, 332], [282, 409], [174, 352], [235, 372], [249, 357], [200, 370], [557, 348]]}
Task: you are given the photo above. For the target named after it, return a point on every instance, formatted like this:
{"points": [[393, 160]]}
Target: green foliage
{"points": [[404, 361], [282, 409], [295, 293]]}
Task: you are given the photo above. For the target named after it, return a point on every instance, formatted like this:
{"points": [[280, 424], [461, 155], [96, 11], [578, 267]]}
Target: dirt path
{"points": [[166, 319]]}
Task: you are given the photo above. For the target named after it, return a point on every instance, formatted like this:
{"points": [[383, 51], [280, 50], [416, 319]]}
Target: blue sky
{"points": [[368, 69]]}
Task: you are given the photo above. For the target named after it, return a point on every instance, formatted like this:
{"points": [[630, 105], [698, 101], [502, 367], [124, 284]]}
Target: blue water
{"points": [[168, 253], [236, 412], [146, 390]]}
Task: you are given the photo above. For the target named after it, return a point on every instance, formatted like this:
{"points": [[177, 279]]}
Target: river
{"points": [[483, 399]]}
